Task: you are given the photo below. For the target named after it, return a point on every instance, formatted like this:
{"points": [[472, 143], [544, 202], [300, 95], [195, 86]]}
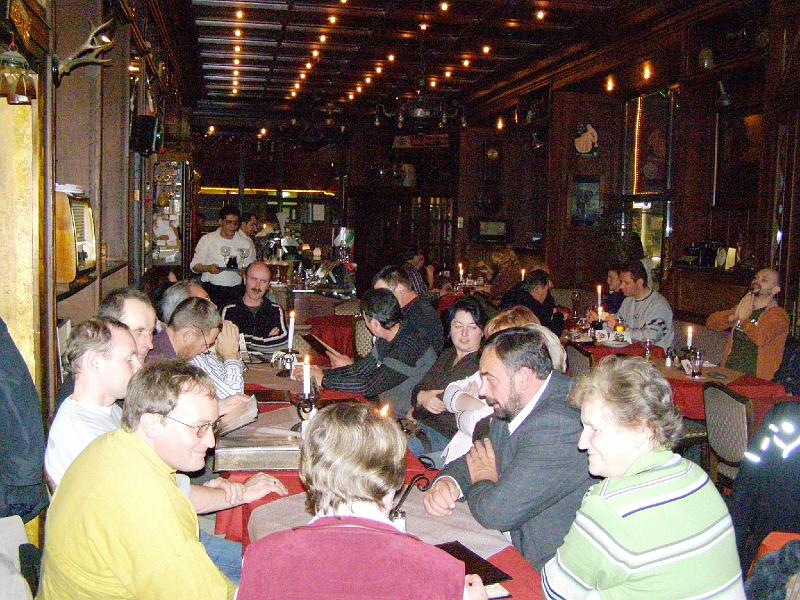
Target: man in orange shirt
{"points": [[759, 328]]}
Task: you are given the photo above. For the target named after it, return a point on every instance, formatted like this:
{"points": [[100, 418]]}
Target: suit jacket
{"points": [[543, 476]]}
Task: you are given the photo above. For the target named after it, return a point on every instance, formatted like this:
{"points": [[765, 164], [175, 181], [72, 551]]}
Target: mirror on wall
{"points": [[648, 143]]}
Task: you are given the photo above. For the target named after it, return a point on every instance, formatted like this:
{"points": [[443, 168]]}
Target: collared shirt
{"points": [[209, 251], [360, 509], [523, 414], [120, 528]]}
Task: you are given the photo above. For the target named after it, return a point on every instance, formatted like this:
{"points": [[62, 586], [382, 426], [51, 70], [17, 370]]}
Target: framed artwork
{"points": [[584, 201]]}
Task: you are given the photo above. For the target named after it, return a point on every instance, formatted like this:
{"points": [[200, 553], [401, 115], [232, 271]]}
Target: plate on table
{"points": [[613, 343]]}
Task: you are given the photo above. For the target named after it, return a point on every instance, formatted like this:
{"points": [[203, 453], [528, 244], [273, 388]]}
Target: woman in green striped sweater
{"points": [[655, 527]]}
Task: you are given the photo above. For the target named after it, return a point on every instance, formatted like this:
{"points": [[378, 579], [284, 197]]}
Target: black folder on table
{"points": [[474, 563]]}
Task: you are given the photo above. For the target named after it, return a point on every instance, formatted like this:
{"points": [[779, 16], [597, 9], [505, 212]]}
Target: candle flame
{"points": [[384, 412], [291, 314]]}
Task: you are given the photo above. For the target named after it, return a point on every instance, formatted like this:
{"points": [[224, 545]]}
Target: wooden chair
{"points": [[729, 422], [579, 360], [363, 338], [348, 307]]}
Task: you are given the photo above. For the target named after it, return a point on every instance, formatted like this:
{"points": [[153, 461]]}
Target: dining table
{"points": [[245, 523]]}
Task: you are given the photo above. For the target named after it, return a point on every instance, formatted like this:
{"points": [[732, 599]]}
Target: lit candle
{"points": [[384, 411], [522, 274], [306, 377], [599, 313], [291, 330], [689, 336], [460, 272], [599, 295]]}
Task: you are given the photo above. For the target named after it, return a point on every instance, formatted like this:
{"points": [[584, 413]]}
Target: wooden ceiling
{"points": [[278, 38]]}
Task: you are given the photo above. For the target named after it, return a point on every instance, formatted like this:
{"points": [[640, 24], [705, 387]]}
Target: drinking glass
{"points": [[575, 298], [244, 252], [648, 349], [697, 363], [225, 251]]}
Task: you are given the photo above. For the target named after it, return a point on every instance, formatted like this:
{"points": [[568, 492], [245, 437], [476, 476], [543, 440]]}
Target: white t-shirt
{"points": [[209, 251], [75, 427]]}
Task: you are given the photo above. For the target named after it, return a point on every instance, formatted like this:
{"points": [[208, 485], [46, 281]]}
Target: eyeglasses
{"points": [[201, 430], [205, 341]]}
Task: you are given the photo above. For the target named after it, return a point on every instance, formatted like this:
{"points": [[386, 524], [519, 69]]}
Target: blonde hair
{"points": [[554, 347], [516, 316], [636, 393], [351, 453]]}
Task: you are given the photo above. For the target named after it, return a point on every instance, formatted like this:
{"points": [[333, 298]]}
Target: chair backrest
{"points": [[299, 344], [348, 307], [729, 422], [363, 338], [579, 361], [711, 342], [564, 297]]}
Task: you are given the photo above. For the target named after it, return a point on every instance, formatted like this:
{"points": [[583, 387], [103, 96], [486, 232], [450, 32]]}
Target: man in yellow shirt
{"points": [[119, 526]]}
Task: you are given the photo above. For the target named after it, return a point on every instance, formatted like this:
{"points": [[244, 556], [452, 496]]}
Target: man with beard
{"points": [[759, 328], [528, 477]]}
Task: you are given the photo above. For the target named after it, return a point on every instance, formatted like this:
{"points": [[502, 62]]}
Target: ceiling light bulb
{"points": [[235, 73], [433, 83], [358, 89], [610, 85], [379, 70], [646, 72], [500, 123], [236, 61], [368, 79], [309, 65], [343, 1], [540, 14], [487, 49], [323, 38], [294, 93], [238, 33], [237, 48], [391, 58], [239, 14], [315, 53], [444, 5], [350, 95], [235, 91], [465, 62], [448, 73], [211, 129], [302, 75], [297, 86], [235, 83], [423, 26], [332, 19], [263, 131]]}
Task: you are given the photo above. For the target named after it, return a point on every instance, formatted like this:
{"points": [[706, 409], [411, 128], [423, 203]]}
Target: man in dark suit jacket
{"points": [[529, 477]]}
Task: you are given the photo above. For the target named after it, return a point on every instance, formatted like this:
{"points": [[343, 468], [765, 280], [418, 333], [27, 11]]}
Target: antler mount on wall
{"points": [[88, 54]]}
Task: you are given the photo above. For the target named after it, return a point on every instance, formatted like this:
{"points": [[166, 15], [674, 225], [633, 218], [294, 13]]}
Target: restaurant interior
{"points": [[572, 131]]}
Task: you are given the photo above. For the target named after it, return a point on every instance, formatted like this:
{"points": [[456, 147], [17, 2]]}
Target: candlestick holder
{"points": [[306, 405], [286, 362], [686, 352]]}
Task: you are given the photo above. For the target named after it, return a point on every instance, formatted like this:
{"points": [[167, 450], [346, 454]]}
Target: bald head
{"points": [[766, 284], [257, 281]]}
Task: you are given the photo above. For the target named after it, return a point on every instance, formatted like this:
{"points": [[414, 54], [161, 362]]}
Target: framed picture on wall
{"points": [[584, 201]]}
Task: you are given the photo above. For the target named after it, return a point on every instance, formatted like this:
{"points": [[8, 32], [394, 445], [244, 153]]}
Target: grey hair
{"points": [[636, 393], [519, 347], [174, 295]]}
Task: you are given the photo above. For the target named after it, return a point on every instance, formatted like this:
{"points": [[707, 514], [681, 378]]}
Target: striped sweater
{"points": [[660, 531]]}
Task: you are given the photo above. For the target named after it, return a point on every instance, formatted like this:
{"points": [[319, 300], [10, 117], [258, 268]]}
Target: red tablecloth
{"points": [[688, 395], [338, 331], [600, 351]]}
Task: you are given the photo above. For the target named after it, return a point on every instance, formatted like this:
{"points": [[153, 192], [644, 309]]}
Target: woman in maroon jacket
{"points": [[352, 461]]}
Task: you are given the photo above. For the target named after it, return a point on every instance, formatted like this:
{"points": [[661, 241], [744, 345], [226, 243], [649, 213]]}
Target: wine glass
{"points": [[576, 295], [225, 251], [244, 252]]}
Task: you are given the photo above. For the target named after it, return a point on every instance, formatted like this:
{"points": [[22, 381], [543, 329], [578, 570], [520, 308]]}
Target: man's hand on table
{"points": [[228, 404], [338, 359], [262, 484], [432, 401], [316, 373], [481, 462], [440, 501]]}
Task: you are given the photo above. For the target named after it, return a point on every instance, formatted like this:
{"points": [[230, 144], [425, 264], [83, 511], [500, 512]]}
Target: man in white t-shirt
{"points": [[220, 257], [102, 356]]}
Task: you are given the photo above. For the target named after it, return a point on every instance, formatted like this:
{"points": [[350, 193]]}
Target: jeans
{"points": [[226, 555], [438, 443]]}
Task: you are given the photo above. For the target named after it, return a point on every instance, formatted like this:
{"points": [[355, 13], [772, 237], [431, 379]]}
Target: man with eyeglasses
{"points": [[221, 255], [120, 526]]}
